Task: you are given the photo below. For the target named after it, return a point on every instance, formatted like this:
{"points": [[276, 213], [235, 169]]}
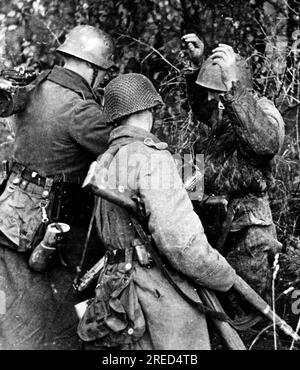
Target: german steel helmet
{"points": [[90, 44], [127, 94], [210, 74]]}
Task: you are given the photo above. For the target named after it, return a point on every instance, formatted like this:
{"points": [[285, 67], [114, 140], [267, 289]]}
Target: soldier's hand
{"points": [[195, 47], [225, 57]]}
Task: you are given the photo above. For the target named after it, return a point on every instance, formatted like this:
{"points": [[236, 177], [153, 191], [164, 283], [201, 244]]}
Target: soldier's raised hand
{"points": [[195, 47], [225, 57]]}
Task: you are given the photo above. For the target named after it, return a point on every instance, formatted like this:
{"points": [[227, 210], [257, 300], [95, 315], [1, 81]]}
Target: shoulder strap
{"points": [[83, 94], [41, 78]]}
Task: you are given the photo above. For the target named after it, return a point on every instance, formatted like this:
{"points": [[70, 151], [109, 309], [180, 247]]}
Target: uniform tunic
{"points": [[60, 131], [62, 128], [141, 310], [238, 149]]}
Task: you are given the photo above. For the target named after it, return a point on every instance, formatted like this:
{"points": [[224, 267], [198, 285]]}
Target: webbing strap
{"points": [[241, 324], [86, 243], [109, 155]]}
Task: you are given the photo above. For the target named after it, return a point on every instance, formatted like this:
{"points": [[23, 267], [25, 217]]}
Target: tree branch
{"points": [[153, 50]]}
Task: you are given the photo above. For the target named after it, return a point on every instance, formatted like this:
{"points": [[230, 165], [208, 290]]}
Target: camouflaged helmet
{"points": [[90, 44], [127, 94], [210, 74]]}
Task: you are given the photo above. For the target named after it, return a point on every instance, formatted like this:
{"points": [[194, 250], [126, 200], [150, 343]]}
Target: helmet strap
{"points": [[220, 112], [95, 75]]}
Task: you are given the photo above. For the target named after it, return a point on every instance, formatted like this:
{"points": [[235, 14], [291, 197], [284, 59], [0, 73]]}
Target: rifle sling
{"points": [[200, 306], [241, 324], [110, 153]]}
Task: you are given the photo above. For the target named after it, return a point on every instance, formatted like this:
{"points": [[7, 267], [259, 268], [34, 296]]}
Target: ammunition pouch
{"points": [[31, 201], [65, 192], [24, 211], [114, 317]]}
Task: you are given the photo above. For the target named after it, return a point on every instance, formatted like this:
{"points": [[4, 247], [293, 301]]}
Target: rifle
{"points": [[228, 334], [18, 76], [13, 89]]}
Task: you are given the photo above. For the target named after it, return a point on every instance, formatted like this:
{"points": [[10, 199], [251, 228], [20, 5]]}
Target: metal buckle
{"points": [[220, 105], [43, 206]]}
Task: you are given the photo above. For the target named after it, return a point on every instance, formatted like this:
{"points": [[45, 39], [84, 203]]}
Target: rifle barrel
{"points": [[229, 335], [262, 306]]}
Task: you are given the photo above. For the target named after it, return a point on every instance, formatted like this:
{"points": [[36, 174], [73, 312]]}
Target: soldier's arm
{"points": [[175, 227], [257, 123], [195, 93], [89, 128]]}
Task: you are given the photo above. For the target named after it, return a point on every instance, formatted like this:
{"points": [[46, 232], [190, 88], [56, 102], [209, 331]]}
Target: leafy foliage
{"points": [[148, 34]]}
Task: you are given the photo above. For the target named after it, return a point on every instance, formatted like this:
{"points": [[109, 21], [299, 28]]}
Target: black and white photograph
{"points": [[149, 178]]}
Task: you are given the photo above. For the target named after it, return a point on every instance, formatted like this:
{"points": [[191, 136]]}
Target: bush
{"points": [[148, 36]]}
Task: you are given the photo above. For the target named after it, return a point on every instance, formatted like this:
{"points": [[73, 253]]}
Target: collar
{"points": [[124, 135], [72, 81], [130, 134]]}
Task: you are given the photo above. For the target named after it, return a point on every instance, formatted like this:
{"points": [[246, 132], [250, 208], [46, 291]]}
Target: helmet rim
{"points": [[127, 94], [210, 74], [89, 44]]}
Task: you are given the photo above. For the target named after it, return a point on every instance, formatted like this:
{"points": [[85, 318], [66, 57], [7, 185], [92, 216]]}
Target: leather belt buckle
{"points": [[34, 178]]}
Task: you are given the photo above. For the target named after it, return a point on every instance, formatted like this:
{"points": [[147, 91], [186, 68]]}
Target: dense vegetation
{"points": [[148, 36]]}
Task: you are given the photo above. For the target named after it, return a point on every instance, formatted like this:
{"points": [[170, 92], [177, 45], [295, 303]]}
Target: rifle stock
{"points": [[121, 199], [230, 336]]}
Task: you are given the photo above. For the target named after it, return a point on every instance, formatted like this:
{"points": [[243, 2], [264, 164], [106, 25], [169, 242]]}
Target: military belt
{"points": [[28, 175], [118, 256], [33, 177]]}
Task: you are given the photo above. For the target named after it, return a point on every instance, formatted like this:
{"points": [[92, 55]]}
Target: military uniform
{"points": [[62, 128], [135, 307], [239, 144], [58, 134]]}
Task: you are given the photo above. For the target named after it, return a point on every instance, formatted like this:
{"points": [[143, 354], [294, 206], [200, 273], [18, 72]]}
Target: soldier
{"points": [[58, 133], [135, 306], [241, 134]]}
